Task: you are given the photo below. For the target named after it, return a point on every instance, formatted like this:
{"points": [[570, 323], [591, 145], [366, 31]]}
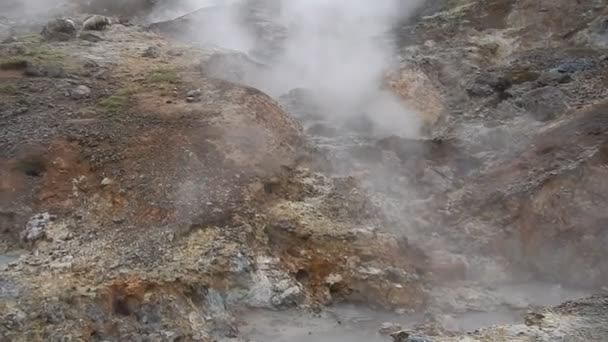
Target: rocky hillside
{"points": [[153, 187]]}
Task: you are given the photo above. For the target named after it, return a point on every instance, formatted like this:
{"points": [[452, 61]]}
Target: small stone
{"points": [[533, 318], [106, 181], [289, 297], [91, 64], [96, 23], [152, 52], [388, 328], [80, 92], [407, 336], [65, 236], [333, 279], [194, 93], [400, 336], [118, 220]]}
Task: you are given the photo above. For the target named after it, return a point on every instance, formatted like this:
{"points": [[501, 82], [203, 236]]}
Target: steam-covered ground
{"points": [[303, 172]]}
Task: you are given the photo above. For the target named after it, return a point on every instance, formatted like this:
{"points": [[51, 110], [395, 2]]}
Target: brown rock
{"points": [[416, 89]]}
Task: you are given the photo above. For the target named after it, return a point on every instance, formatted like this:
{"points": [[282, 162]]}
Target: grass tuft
{"points": [[8, 89], [163, 76], [117, 102]]}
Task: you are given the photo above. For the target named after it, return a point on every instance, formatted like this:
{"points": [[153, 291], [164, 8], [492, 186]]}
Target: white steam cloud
{"points": [[338, 50], [32, 9]]}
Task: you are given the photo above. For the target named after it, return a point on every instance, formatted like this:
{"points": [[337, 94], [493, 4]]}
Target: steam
{"points": [[338, 50], [29, 9]]}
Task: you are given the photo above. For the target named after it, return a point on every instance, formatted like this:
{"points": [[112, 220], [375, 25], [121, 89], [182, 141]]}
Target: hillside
{"points": [[263, 171]]}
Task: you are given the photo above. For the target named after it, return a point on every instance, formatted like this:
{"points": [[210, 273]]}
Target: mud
{"points": [[344, 322]]}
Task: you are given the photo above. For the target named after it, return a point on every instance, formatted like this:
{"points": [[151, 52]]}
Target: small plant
{"points": [[43, 54], [31, 53], [117, 102], [164, 76], [8, 89]]}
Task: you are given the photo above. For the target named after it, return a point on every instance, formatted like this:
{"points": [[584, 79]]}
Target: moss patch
{"points": [[117, 102], [8, 89], [164, 76], [31, 51]]}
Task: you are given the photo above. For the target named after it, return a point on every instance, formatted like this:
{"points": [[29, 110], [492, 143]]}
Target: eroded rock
{"points": [[96, 23], [36, 227], [60, 30]]}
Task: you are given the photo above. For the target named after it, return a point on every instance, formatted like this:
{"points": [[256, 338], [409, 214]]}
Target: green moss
{"points": [[163, 76], [44, 54], [32, 51], [8, 89], [117, 102]]}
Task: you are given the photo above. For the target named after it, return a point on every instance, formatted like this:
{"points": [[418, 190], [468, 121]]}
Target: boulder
{"points": [[414, 87], [96, 23], [487, 84], [544, 104], [36, 227], [59, 30]]}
